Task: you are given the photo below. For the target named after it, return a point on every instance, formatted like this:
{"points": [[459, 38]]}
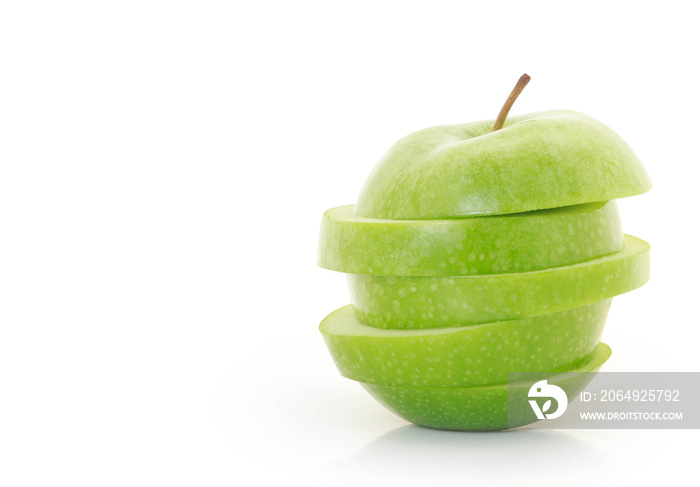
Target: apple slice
{"points": [[435, 302], [463, 246], [465, 356], [540, 160], [481, 408]]}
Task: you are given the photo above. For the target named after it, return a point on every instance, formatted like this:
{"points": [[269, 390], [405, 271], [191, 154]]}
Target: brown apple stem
{"points": [[519, 87]]}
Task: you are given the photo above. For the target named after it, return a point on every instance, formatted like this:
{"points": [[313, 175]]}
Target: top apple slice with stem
{"points": [[529, 162]]}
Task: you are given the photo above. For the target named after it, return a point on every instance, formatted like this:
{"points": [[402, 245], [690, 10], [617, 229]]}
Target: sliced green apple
{"points": [[464, 356], [540, 160], [435, 302], [480, 408], [466, 246]]}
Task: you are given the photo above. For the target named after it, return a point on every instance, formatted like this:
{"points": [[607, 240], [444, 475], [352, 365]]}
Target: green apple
{"points": [[463, 246], [464, 356], [480, 249], [481, 408], [435, 302], [541, 160]]}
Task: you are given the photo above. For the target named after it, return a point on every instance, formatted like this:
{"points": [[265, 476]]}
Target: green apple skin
{"points": [[481, 408], [448, 296], [540, 160], [436, 302], [467, 246], [466, 356]]}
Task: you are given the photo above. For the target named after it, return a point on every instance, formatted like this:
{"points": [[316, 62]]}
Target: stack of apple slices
{"points": [[474, 256]]}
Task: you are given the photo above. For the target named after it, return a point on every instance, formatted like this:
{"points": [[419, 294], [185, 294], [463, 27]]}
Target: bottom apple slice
{"points": [[481, 408], [465, 356]]}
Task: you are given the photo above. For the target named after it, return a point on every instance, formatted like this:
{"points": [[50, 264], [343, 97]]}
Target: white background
{"points": [[164, 169]]}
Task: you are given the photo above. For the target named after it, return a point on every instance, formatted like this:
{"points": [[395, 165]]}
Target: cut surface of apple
{"points": [[540, 160], [465, 356], [435, 302], [481, 408], [466, 246]]}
